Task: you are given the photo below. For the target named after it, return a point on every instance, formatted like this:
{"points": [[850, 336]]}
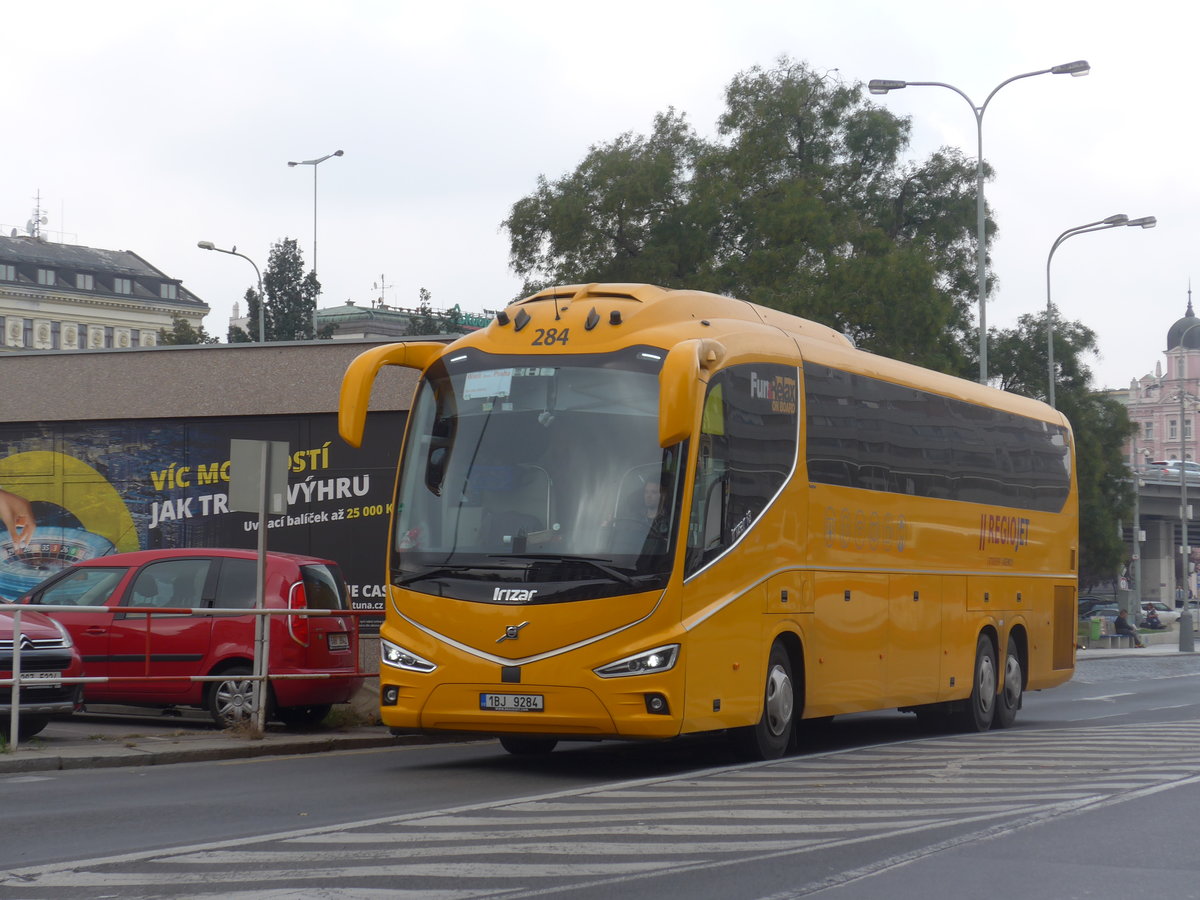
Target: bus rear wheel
{"points": [[769, 738], [1009, 699], [528, 746], [980, 708]]}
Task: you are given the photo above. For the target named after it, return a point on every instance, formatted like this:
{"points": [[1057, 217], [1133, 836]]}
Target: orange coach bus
{"points": [[626, 512]]}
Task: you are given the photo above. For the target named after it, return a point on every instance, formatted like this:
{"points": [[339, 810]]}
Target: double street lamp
{"points": [[262, 300], [883, 86], [1118, 221]]}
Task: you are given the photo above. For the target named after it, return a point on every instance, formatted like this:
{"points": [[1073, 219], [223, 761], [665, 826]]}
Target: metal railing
{"points": [[262, 656]]}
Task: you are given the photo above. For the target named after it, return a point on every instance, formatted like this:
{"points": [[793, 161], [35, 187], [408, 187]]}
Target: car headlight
{"points": [[66, 635], [660, 659], [399, 657]]}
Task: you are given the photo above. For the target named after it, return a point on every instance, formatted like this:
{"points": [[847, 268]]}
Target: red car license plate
{"points": [[339, 640]]}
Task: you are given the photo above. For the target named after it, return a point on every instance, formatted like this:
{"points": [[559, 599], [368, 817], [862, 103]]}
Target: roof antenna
{"points": [[34, 226]]}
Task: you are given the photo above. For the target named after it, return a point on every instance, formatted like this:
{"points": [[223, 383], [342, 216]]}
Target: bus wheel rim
{"points": [[987, 682], [779, 701], [1012, 682]]}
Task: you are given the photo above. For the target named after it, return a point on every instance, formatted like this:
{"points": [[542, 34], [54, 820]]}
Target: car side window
{"points": [[171, 582], [324, 588], [85, 586], [237, 584]]}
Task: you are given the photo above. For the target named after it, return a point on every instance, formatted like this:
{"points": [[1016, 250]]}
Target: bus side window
{"points": [[747, 446]]}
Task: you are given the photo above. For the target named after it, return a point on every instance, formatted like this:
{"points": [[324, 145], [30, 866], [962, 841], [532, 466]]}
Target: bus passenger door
{"points": [[845, 662], [914, 639]]}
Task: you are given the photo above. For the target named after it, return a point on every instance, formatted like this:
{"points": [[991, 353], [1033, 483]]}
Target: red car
{"points": [[47, 656], [127, 644]]}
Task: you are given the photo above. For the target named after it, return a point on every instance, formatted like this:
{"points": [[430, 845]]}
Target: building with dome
{"points": [[1165, 405]]}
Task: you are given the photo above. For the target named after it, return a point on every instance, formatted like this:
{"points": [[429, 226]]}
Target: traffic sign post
{"points": [[258, 483]]}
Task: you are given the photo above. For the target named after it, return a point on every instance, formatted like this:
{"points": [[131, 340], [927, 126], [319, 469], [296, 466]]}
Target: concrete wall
{"points": [[188, 382]]}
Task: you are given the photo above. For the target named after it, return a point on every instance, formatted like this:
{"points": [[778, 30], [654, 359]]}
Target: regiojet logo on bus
{"points": [[1004, 529]]}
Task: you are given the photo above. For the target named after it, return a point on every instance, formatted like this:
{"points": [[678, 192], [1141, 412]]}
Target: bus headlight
{"points": [[400, 658], [660, 659]]}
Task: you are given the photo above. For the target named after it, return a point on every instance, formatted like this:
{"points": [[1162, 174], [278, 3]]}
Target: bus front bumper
{"points": [[637, 710]]}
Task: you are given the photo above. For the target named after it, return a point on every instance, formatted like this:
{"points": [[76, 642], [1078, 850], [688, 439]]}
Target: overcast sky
{"points": [[147, 126]]}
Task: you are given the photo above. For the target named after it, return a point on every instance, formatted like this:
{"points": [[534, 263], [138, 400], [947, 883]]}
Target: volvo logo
{"points": [[511, 633]]}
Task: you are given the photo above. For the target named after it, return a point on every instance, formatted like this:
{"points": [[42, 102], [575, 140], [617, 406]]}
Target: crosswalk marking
{"points": [[634, 831]]}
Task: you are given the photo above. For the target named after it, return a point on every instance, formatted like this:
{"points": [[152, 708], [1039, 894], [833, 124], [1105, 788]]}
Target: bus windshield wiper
{"points": [[436, 572], [597, 564]]}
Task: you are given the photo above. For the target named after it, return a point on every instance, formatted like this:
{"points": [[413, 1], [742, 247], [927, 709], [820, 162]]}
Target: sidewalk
{"points": [[1159, 648]]}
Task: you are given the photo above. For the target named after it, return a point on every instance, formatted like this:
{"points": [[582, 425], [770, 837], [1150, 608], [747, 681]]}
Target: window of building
{"points": [[1172, 430], [7, 272], [122, 286], [46, 276], [1148, 431], [85, 282], [168, 291], [1187, 429]]}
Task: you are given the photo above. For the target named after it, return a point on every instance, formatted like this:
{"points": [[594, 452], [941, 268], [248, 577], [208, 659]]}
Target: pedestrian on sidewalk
{"points": [[1124, 626]]}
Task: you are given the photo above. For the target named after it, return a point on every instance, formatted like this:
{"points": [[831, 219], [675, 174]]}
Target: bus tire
{"points": [[1009, 699], [978, 710], [528, 746], [769, 739]]}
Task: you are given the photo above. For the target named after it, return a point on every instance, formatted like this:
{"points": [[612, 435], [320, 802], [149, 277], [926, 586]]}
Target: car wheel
{"points": [[27, 727], [769, 738], [528, 746], [231, 700], [303, 716], [980, 707], [1009, 700]]}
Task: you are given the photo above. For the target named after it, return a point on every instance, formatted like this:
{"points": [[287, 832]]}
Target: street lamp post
{"points": [[314, 163], [1116, 221], [262, 300], [882, 86], [1187, 641]]}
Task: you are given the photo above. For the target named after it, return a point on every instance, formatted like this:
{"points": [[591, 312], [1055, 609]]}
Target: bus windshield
{"points": [[537, 477]]}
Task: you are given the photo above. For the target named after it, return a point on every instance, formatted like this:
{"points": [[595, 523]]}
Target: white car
{"points": [[1166, 615]]}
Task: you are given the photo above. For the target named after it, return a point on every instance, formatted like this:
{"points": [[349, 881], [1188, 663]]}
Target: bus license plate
{"points": [[512, 702], [42, 679]]}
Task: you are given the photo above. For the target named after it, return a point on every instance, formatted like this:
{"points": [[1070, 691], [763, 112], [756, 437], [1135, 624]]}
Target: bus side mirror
{"points": [[360, 377], [680, 383]]}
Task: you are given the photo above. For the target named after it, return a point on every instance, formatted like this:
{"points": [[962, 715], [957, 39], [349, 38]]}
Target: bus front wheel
{"points": [[769, 739], [980, 708]]}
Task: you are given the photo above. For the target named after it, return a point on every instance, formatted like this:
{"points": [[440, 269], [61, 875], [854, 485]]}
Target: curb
{"points": [[104, 755]]}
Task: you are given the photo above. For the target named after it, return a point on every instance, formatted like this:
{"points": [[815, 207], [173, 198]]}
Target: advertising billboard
{"points": [[71, 491]]}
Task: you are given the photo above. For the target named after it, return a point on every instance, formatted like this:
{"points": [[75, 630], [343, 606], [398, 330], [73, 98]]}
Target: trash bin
{"points": [[1094, 626]]}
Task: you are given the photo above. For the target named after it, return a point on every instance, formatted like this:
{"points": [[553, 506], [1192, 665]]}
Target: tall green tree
{"points": [[801, 203], [183, 333], [290, 301], [1101, 426]]}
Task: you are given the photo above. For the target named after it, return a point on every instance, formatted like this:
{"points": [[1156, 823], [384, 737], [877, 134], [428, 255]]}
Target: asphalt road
{"points": [[1056, 807]]}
